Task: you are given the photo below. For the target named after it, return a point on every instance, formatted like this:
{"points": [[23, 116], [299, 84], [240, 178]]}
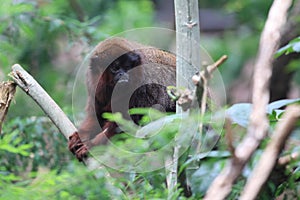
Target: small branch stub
{"points": [[7, 92], [209, 70]]}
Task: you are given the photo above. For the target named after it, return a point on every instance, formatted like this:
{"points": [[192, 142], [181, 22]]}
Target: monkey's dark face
{"points": [[119, 68]]}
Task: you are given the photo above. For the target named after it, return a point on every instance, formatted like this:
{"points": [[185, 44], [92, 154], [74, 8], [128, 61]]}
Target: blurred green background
{"points": [[51, 38]]}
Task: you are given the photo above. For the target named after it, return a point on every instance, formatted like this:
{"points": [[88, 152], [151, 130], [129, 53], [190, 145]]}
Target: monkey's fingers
{"points": [[82, 152], [74, 142], [77, 147]]}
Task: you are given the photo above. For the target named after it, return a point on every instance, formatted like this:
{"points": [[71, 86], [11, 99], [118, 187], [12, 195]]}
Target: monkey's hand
{"points": [[81, 148], [77, 147]]}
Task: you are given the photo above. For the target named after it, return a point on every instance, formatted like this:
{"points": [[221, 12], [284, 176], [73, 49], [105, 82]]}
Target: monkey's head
{"points": [[113, 61], [119, 68]]}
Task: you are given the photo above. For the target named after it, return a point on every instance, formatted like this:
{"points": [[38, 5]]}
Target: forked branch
{"points": [[258, 126]]}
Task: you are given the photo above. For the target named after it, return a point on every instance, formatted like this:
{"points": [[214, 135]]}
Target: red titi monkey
{"points": [[129, 66]]}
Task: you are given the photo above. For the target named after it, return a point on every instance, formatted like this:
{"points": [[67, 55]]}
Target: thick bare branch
{"points": [[187, 51], [41, 97], [269, 157], [53, 111], [48, 105], [258, 126]]}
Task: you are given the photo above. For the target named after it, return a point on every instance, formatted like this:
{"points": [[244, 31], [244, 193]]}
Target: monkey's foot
{"points": [[77, 147]]}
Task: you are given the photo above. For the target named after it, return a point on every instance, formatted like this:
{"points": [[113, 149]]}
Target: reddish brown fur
{"points": [[154, 66]]}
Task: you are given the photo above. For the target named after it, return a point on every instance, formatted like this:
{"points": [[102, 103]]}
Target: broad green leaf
{"points": [[211, 154], [125, 125], [292, 46], [239, 113], [274, 106], [205, 174], [149, 114], [155, 126]]}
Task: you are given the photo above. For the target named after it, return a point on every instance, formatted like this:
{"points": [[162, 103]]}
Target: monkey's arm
{"points": [[77, 140], [91, 133], [109, 130]]}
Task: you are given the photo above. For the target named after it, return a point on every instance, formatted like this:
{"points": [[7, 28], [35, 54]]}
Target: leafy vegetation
{"points": [[35, 161]]}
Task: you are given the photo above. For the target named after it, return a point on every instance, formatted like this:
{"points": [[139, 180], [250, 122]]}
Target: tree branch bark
{"points": [[32, 88], [258, 126], [187, 56], [270, 155], [27, 83], [7, 92]]}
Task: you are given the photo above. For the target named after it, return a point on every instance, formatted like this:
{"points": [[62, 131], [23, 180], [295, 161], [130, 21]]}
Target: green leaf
{"points": [[205, 174], [211, 154], [125, 125], [292, 46], [149, 114], [274, 106], [12, 143], [239, 113], [155, 126]]}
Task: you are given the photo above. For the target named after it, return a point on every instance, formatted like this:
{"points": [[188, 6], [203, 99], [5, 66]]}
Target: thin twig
{"points": [[201, 81], [229, 136], [258, 126], [172, 171], [203, 105], [209, 70], [284, 160], [186, 98]]}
